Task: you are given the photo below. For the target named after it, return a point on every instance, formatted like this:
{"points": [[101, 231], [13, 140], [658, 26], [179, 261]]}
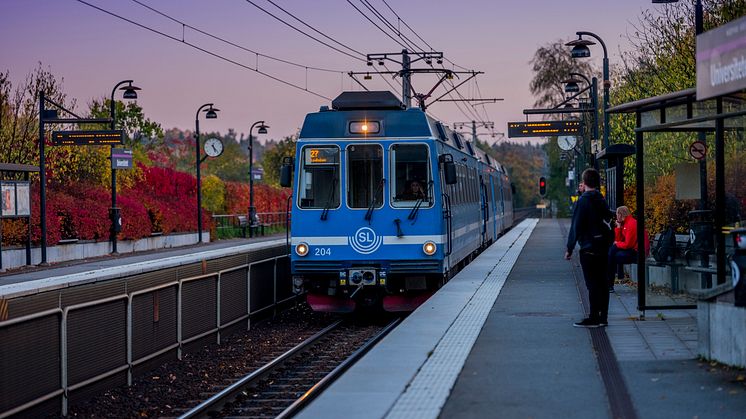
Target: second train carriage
{"points": [[388, 203]]}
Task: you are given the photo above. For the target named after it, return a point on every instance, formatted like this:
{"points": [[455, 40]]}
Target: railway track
{"points": [[283, 386]]}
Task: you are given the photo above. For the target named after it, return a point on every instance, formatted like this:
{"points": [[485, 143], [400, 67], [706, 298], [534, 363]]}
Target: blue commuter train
{"points": [[388, 204]]}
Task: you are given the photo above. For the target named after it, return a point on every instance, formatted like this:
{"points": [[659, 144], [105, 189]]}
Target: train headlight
{"points": [[429, 248], [301, 249]]}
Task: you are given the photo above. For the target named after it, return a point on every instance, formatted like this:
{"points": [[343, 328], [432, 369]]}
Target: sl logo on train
{"points": [[365, 241]]}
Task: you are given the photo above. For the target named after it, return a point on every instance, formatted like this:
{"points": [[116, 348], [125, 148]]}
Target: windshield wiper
{"points": [[413, 214], [369, 213], [325, 212]]}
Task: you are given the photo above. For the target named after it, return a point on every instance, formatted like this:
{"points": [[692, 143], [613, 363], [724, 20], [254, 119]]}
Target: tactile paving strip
{"points": [[430, 388]]}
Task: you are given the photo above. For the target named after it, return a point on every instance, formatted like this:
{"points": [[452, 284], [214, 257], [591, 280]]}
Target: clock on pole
{"points": [[567, 142], [213, 147]]}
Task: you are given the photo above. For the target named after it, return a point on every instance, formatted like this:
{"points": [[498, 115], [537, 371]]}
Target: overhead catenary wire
{"points": [[233, 44], [411, 44], [471, 114], [204, 50], [356, 57], [376, 25]]}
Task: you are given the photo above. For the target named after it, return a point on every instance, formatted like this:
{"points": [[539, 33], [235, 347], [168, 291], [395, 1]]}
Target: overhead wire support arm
{"points": [[352, 76], [480, 101], [473, 74]]}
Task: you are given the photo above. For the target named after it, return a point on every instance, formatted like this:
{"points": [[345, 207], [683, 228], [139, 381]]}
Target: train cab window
{"points": [[364, 175], [319, 180], [410, 171]]}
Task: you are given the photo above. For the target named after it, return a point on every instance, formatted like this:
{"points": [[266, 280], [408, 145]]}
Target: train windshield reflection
{"points": [[319, 180]]}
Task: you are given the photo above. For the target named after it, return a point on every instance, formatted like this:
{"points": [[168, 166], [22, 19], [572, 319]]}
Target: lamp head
{"points": [[130, 91], [571, 87], [367, 77], [211, 113], [262, 129], [569, 106], [580, 48]]}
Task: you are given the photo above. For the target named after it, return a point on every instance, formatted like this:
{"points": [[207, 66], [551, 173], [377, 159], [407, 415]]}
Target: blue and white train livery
{"points": [[388, 204]]}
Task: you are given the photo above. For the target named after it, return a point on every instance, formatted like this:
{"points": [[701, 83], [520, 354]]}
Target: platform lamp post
{"points": [[252, 210], [210, 113], [571, 86], [130, 92], [580, 50]]}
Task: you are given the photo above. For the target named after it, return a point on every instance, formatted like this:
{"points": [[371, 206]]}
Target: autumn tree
{"points": [[272, 159], [551, 65], [19, 114]]}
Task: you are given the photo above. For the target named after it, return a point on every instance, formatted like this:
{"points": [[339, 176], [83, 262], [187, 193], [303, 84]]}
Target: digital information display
{"points": [[544, 128], [102, 137], [321, 155]]}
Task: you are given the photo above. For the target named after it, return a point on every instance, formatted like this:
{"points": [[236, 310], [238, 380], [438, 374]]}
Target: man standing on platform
{"points": [[588, 230]]}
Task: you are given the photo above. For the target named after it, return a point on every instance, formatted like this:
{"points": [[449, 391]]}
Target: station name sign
{"points": [[721, 60], [101, 137], [544, 128]]}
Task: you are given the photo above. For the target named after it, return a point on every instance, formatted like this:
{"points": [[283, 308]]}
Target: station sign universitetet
{"points": [[544, 128], [721, 60]]}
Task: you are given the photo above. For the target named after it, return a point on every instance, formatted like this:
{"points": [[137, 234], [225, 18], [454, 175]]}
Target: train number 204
{"points": [[323, 251]]}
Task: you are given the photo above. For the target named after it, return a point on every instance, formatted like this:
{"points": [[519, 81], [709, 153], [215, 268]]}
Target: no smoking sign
{"points": [[698, 150]]}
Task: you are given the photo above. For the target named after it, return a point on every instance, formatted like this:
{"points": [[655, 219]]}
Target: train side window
{"points": [[410, 174], [364, 175], [319, 181]]}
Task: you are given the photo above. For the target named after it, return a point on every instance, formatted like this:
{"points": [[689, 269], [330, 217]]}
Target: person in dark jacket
{"points": [[585, 231]]}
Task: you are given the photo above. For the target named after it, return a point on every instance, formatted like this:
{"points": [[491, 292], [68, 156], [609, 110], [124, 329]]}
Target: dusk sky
{"points": [[93, 51]]}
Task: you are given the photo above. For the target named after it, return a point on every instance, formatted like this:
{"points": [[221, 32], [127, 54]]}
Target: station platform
{"points": [[497, 341], [34, 279]]}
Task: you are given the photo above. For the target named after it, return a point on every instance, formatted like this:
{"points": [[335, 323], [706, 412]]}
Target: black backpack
{"points": [[665, 248], [603, 227]]}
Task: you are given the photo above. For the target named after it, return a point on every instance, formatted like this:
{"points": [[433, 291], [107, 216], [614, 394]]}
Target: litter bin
{"points": [[701, 237], [738, 266]]}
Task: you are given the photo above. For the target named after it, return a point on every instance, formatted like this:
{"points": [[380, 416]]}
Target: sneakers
{"points": [[590, 323], [611, 289]]}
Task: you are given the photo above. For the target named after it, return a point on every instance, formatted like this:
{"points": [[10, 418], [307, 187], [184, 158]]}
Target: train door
{"points": [[491, 186], [485, 210], [501, 187], [446, 195]]}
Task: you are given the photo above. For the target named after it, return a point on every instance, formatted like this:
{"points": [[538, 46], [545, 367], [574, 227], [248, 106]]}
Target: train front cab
{"points": [[368, 226]]}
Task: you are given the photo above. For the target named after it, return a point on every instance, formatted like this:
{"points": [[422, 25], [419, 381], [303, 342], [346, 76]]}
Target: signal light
{"points": [[542, 186]]}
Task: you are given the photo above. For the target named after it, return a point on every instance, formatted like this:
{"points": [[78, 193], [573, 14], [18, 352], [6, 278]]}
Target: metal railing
{"points": [[220, 324], [237, 225]]}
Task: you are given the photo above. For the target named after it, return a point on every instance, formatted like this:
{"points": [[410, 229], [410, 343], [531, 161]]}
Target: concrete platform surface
{"points": [[498, 342]]}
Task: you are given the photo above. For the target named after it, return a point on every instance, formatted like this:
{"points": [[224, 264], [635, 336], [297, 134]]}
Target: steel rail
{"points": [[314, 391], [217, 401]]}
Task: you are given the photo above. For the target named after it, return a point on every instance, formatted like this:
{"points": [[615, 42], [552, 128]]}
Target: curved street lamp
{"points": [[210, 113], [130, 92], [580, 50], [252, 210]]}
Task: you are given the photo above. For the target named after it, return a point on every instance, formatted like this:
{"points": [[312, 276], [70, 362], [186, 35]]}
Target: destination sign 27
{"points": [[544, 128]]}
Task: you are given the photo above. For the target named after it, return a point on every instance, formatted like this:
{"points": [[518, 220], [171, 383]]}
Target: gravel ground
{"points": [[173, 384]]}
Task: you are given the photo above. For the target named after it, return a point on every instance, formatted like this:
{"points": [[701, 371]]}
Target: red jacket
{"points": [[625, 237]]}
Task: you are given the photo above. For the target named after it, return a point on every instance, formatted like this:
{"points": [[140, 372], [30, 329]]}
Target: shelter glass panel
{"points": [[410, 171], [364, 175], [319, 180], [735, 186], [679, 201]]}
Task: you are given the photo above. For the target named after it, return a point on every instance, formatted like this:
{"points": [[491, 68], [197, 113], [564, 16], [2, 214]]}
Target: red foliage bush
{"points": [[266, 198]]}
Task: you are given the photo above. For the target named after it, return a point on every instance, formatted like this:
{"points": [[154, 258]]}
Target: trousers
{"points": [[616, 258], [593, 262]]}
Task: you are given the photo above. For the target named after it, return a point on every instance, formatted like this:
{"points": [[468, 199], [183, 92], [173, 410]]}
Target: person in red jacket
{"points": [[624, 249]]}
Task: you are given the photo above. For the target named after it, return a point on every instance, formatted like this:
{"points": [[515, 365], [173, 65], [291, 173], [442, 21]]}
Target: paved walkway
{"points": [[525, 359]]}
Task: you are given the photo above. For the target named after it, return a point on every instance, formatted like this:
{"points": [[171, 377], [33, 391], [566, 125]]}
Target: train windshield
{"points": [[410, 174], [364, 176], [319, 177]]}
